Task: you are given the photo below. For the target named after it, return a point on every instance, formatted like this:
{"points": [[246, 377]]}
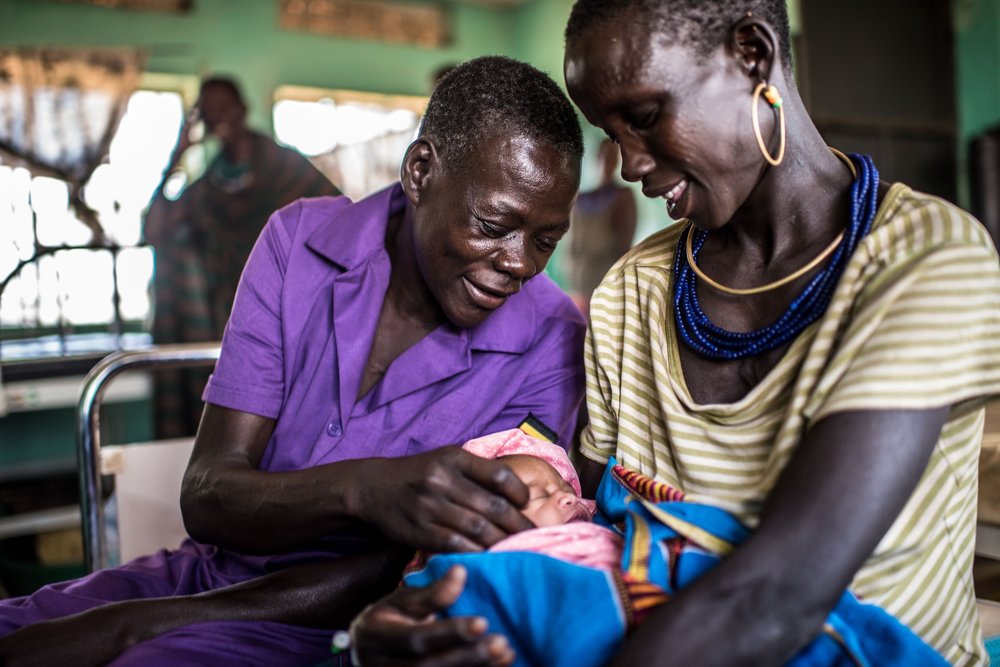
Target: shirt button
{"points": [[334, 429]]}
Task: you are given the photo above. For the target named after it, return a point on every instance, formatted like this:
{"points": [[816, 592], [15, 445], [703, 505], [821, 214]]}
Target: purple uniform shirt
{"points": [[294, 350], [302, 327]]}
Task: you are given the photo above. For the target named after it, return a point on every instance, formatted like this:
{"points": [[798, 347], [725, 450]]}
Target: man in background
{"points": [[604, 221], [203, 237]]}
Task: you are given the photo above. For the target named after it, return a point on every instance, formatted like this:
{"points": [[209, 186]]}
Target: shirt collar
{"points": [[367, 218], [510, 328]]}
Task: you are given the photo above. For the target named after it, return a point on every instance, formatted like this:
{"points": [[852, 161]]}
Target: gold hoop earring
{"points": [[774, 99]]}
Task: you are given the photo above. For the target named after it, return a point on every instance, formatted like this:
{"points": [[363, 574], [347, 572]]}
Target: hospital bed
{"points": [[147, 502]]}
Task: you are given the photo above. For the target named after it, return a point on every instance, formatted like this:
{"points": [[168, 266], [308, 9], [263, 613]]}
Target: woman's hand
{"points": [[403, 629], [443, 500]]}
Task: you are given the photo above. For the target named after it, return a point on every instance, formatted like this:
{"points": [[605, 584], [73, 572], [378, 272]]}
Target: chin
{"points": [[467, 318]]}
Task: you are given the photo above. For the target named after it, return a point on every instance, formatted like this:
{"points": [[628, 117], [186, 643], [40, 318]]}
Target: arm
{"points": [[769, 598], [874, 419], [444, 500], [322, 594], [828, 511], [158, 222], [590, 476]]}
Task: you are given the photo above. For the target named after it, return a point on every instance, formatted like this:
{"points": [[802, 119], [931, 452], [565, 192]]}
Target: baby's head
{"points": [[545, 469], [552, 501]]}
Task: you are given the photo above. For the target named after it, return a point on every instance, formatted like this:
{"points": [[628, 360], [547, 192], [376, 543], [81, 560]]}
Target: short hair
{"points": [[485, 95], [704, 24], [224, 83]]}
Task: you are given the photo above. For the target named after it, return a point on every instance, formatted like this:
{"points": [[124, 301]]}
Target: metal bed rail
{"points": [[188, 355]]}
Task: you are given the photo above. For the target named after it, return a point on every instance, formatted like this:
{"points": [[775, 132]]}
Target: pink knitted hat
{"points": [[516, 441]]}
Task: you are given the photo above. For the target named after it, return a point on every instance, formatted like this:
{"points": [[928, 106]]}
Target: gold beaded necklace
{"points": [[781, 281]]}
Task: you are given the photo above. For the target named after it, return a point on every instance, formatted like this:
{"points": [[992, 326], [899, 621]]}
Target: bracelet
{"points": [[340, 642]]}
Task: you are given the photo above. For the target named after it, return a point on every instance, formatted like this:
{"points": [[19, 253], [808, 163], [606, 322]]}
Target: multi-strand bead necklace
{"points": [[700, 334]]}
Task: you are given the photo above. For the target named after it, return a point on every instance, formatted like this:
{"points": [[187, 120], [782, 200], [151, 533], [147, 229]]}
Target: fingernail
{"points": [[478, 625], [497, 646]]}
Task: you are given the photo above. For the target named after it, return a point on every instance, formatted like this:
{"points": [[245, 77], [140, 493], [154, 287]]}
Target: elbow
{"points": [[787, 624], [197, 507]]}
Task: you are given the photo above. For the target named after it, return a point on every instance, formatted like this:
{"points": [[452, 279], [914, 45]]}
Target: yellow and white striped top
{"points": [[914, 323]]}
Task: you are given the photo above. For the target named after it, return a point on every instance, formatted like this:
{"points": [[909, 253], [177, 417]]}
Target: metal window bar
{"points": [[189, 355], [64, 329]]}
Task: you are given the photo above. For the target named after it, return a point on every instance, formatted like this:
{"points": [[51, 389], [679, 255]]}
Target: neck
{"points": [[801, 203], [239, 149], [408, 294]]}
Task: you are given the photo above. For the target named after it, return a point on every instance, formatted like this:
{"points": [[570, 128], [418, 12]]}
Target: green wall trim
{"points": [[243, 36]]}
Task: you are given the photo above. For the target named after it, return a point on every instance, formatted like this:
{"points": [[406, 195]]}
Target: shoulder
{"points": [[550, 304], [655, 253], [911, 224], [271, 149], [302, 217], [919, 238]]}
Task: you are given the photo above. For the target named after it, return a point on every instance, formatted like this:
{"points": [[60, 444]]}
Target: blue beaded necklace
{"points": [[708, 340]]}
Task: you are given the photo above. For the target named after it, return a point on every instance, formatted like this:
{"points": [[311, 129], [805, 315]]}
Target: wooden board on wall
{"points": [[425, 25], [169, 6]]}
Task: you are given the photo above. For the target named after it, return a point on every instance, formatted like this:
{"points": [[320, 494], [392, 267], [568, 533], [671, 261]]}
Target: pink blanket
{"points": [[578, 542]]}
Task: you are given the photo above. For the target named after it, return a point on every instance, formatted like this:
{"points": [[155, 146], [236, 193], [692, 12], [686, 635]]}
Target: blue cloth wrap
{"points": [[557, 614]]}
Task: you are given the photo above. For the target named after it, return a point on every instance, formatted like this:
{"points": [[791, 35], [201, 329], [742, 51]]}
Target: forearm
{"points": [[837, 497], [320, 594], [729, 616], [323, 594], [254, 511]]}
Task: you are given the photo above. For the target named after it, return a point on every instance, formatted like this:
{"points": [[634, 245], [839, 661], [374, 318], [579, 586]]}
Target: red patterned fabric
{"points": [[646, 487]]}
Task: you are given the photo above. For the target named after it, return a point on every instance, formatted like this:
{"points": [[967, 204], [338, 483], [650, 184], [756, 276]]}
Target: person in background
{"points": [[202, 239], [810, 348], [604, 222], [366, 337]]}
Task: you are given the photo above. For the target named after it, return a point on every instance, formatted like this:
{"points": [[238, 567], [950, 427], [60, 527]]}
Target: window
{"points": [[57, 295], [357, 139]]}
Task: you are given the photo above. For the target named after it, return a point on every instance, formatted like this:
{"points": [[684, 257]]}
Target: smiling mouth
{"points": [[484, 297], [674, 195]]}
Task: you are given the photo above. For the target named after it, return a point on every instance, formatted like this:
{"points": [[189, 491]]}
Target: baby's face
{"points": [[552, 501]]}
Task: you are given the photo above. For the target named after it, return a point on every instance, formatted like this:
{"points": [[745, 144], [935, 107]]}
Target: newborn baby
{"points": [[563, 519], [552, 500]]}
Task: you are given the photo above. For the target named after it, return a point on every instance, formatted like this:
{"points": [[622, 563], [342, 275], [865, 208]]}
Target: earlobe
{"points": [[416, 171], [755, 44]]}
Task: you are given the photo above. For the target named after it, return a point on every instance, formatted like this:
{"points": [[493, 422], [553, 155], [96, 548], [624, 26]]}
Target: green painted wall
{"points": [[537, 34], [243, 37], [977, 62], [977, 75]]}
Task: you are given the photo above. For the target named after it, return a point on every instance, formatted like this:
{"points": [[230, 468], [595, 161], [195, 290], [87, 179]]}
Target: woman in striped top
{"points": [[845, 425], [808, 347]]}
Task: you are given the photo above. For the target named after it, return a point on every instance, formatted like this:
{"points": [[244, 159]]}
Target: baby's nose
{"points": [[567, 499]]}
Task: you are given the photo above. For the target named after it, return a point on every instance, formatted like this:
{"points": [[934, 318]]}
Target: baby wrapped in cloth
{"points": [[567, 595]]}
